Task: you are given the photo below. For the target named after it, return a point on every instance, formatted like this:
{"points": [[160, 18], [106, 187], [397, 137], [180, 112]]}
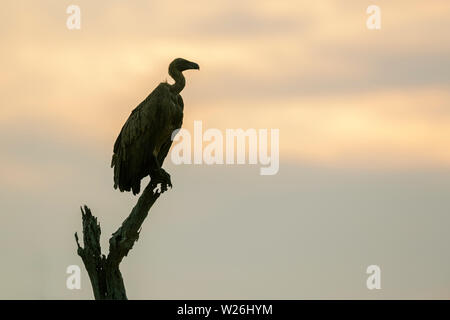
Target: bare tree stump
{"points": [[104, 273]]}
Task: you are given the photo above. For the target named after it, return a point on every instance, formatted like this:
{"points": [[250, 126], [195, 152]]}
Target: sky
{"points": [[364, 121]]}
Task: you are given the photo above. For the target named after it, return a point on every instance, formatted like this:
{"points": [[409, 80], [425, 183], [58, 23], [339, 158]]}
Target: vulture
{"points": [[146, 137]]}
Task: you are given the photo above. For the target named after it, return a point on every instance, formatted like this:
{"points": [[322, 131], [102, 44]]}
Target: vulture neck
{"points": [[180, 82]]}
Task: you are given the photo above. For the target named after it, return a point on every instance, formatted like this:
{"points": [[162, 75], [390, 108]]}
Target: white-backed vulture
{"points": [[146, 137]]}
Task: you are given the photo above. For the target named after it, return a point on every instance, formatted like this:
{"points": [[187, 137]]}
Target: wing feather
{"points": [[136, 140]]}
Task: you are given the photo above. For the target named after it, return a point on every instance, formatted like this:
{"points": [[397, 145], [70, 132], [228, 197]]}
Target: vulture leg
{"points": [[159, 175]]}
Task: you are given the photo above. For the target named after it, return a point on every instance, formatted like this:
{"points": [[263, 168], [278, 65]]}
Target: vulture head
{"points": [[176, 68], [181, 64]]}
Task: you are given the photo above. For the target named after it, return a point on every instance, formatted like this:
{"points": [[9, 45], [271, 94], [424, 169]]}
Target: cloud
{"points": [[259, 61]]}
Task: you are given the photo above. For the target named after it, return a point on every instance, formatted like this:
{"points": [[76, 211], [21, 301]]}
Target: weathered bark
{"points": [[104, 272]]}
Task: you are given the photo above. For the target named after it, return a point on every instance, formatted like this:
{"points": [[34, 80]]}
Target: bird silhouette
{"points": [[146, 137]]}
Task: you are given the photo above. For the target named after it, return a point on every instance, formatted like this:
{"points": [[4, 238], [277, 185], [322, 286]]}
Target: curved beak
{"points": [[194, 65]]}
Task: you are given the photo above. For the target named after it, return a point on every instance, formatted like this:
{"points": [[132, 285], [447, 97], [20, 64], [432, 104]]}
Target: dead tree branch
{"points": [[104, 272]]}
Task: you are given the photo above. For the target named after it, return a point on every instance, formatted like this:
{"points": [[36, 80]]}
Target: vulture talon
{"points": [[162, 177]]}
